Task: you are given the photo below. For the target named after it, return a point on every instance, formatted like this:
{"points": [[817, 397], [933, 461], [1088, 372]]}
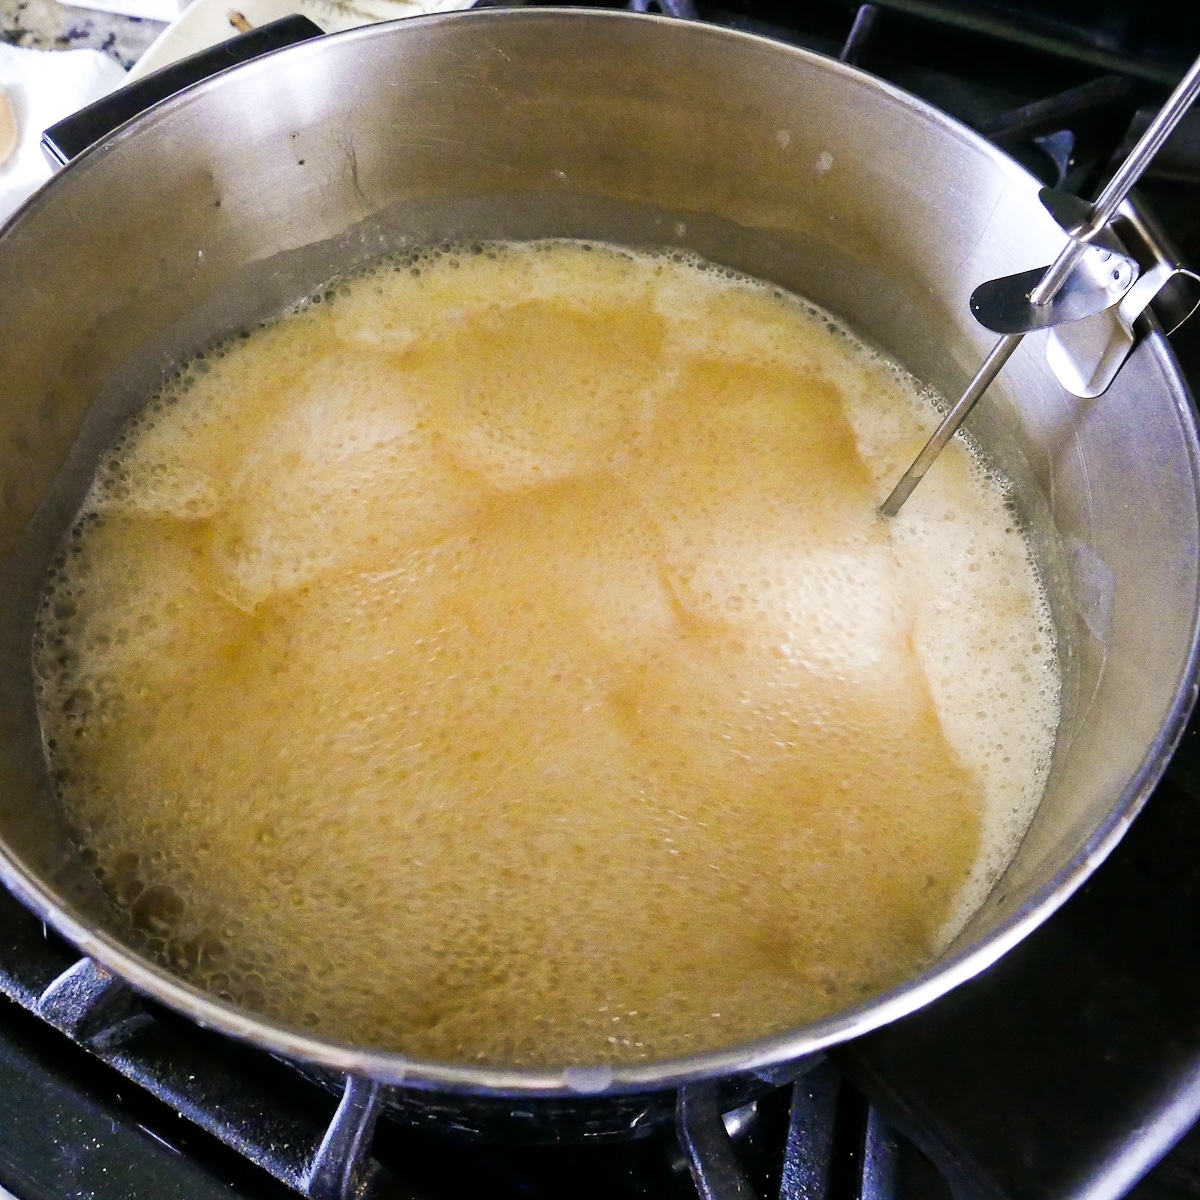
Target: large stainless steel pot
{"points": [[220, 206]]}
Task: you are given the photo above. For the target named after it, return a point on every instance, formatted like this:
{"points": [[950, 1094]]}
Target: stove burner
{"points": [[814, 1138], [1060, 1051]]}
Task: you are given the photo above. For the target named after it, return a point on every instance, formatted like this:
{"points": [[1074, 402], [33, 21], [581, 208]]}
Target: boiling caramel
{"points": [[500, 659]]}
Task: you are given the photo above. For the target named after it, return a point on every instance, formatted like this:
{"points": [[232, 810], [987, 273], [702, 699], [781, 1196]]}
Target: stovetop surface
{"points": [[1067, 1070]]}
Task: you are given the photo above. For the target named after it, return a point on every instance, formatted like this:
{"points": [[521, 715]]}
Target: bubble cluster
{"points": [[499, 658]]}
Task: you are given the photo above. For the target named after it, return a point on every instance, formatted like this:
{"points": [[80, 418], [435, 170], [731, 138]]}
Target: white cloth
{"points": [[45, 86]]}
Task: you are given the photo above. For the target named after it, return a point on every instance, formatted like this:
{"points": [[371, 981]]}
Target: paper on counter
{"points": [[44, 86], [152, 10]]}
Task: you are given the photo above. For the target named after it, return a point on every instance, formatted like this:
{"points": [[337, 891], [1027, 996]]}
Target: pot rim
{"points": [[394, 1068]]}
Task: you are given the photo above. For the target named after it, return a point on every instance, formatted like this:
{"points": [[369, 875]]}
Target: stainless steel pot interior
{"points": [[224, 204]]}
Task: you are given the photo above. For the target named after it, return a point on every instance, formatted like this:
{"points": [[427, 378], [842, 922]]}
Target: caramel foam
{"points": [[502, 660]]}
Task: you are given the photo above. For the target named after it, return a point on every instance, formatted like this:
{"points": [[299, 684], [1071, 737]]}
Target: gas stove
{"points": [[1069, 1069]]}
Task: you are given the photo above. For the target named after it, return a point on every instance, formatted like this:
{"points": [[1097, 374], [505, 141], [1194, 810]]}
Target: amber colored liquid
{"points": [[504, 662]]}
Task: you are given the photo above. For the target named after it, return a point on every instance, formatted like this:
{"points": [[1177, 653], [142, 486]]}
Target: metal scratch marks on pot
{"points": [[1095, 588], [352, 164], [983, 229]]}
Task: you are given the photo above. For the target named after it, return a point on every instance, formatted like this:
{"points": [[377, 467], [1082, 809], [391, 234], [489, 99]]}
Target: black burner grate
{"points": [[107, 1091]]}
